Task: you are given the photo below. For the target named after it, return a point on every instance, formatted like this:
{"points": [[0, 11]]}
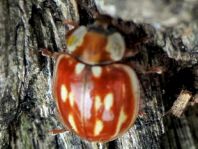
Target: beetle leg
{"points": [[155, 69], [57, 131], [130, 53], [71, 23], [48, 53], [141, 69]]}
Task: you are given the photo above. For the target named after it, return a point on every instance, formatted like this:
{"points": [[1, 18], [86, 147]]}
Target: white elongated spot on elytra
{"points": [[63, 93], [71, 98], [97, 103], [98, 127], [97, 71], [122, 118], [115, 46], [108, 101], [72, 122], [76, 38], [79, 68]]}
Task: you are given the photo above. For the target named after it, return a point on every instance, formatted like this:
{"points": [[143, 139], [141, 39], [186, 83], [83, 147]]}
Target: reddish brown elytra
{"points": [[97, 99]]}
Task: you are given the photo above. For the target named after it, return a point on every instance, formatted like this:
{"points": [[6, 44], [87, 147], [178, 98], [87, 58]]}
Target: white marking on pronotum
{"points": [[115, 46], [72, 122], [108, 101], [76, 38], [97, 103], [97, 71], [122, 118], [64, 93], [71, 98], [98, 127], [79, 68]]}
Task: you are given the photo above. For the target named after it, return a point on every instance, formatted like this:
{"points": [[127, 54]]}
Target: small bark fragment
{"points": [[181, 103]]}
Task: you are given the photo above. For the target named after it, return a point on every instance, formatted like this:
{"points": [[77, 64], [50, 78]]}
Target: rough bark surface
{"points": [[27, 108]]}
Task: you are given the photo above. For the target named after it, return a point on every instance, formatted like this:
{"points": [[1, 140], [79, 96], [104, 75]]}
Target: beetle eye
{"points": [[115, 46], [76, 38]]}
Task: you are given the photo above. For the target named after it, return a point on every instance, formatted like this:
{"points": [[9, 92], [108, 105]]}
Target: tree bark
{"points": [[27, 108]]}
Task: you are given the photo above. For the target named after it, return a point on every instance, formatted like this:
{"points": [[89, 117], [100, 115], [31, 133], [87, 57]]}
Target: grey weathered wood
{"points": [[27, 108]]}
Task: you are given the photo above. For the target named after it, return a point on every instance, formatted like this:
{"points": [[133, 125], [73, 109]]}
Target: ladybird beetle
{"points": [[96, 98]]}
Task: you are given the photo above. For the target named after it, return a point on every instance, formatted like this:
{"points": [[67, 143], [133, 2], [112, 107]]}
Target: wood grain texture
{"points": [[27, 108]]}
